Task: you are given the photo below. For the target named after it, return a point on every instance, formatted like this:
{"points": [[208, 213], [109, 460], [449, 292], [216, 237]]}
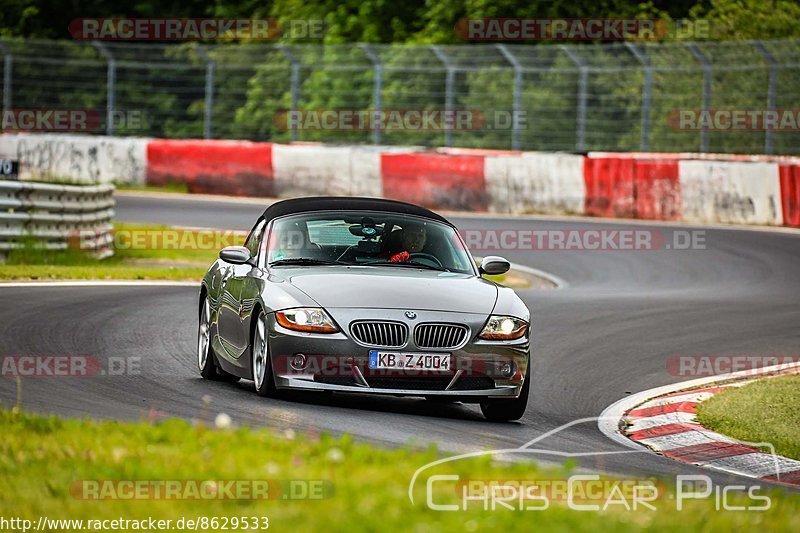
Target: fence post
{"points": [[647, 91], [8, 65], [376, 92], [517, 105], [295, 84], [111, 82], [583, 88], [208, 117], [448, 94], [707, 72], [772, 97]]}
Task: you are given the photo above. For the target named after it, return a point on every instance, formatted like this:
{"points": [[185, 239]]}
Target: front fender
{"points": [[508, 303], [259, 290]]}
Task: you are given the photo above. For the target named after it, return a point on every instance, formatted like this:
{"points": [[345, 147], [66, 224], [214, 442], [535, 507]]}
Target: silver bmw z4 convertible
{"points": [[364, 295]]}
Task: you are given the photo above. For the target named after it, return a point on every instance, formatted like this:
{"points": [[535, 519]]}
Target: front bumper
{"points": [[336, 362]]}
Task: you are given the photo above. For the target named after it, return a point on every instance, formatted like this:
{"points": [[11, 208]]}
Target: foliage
{"points": [[255, 83]]}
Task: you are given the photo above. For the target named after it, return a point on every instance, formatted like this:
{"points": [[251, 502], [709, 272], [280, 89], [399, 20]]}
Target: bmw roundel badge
{"points": [[411, 314]]}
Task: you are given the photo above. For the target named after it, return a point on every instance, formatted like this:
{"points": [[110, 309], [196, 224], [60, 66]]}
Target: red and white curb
{"points": [[664, 421]]}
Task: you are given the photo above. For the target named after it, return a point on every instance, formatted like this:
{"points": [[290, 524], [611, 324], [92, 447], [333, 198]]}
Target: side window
{"points": [[253, 242]]}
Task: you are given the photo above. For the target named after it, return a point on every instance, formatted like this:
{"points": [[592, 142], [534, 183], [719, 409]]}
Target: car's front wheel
{"points": [[262, 367], [506, 410], [205, 354]]}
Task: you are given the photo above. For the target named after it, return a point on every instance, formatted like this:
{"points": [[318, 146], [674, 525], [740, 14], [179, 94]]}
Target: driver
{"points": [[412, 240]]}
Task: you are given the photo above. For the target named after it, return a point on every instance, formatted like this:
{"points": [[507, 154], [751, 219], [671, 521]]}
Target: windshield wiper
{"points": [[411, 263], [305, 261]]}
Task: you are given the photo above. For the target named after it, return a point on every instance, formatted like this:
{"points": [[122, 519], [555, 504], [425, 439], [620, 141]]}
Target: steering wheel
{"points": [[429, 257]]}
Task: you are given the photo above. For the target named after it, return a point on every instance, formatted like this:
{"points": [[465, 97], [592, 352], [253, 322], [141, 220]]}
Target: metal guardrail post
{"points": [[295, 84], [8, 66], [707, 73], [376, 91], [448, 93], [516, 143], [772, 92], [583, 90], [208, 117], [647, 93], [111, 82]]}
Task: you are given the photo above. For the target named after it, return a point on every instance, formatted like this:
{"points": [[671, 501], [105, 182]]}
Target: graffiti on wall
{"points": [[80, 158]]}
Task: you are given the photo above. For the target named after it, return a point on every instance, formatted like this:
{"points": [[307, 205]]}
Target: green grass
{"points": [[99, 272], [179, 260], [172, 186], [763, 411], [365, 487]]}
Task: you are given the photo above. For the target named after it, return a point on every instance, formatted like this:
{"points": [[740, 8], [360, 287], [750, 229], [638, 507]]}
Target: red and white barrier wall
{"points": [[219, 167], [77, 158], [531, 182], [704, 188], [790, 193]]}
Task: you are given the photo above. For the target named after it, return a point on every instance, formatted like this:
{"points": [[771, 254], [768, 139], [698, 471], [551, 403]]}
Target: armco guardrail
{"points": [[56, 216]]}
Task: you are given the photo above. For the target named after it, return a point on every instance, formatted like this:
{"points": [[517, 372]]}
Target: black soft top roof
{"points": [[338, 203]]}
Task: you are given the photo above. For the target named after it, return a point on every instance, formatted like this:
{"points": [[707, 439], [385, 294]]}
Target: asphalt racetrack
{"points": [[609, 333]]}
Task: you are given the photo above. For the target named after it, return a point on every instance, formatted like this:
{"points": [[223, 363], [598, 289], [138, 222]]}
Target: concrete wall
{"points": [[704, 188]]}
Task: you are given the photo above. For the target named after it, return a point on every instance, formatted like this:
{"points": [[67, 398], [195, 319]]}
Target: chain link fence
{"points": [[621, 96]]}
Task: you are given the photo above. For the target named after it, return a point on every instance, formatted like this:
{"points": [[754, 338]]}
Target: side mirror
{"points": [[236, 255], [494, 265]]}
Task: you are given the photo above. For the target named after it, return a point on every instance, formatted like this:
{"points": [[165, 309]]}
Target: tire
{"points": [[263, 378], [507, 410], [206, 358]]}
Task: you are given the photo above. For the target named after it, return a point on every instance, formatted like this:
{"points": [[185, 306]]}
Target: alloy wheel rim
{"points": [[203, 336], [260, 352]]}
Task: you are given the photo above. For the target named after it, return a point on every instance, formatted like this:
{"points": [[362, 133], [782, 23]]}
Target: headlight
{"points": [[308, 319], [503, 328]]}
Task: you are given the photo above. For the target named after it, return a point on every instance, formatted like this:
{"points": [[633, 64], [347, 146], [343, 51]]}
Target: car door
{"points": [[228, 310], [244, 289]]}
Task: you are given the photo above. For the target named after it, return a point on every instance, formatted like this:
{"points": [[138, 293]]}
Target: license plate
{"points": [[408, 361]]}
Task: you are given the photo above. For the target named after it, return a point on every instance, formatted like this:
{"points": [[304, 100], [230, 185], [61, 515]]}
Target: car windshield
{"points": [[366, 238]]}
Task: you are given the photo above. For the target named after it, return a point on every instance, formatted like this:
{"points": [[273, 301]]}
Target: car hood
{"points": [[392, 288]]}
